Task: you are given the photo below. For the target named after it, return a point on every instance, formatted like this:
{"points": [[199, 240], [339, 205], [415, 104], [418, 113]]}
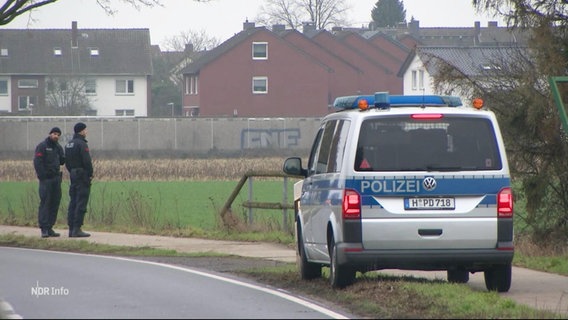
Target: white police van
{"points": [[405, 182]]}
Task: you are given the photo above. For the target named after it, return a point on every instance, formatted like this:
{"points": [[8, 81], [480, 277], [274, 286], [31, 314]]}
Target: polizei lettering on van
{"points": [[390, 186]]}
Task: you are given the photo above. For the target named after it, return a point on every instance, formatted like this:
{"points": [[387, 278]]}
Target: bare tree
{"points": [[199, 41], [521, 97], [67, 96], [293, 13], [14, 8]]}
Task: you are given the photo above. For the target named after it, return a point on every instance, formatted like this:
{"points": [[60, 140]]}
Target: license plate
{"points": [[429, 203]]}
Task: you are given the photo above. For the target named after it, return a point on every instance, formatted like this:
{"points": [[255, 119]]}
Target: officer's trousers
{"points": [[79, 191], [50, 198]]}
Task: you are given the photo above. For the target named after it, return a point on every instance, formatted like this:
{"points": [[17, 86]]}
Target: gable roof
{"points": [[219, 50], [237, 39], [33, 52], [325, 36], [470, 61], [287, 34]]}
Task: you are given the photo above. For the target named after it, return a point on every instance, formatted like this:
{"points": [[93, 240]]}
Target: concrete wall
{"points": [[20, 135]]}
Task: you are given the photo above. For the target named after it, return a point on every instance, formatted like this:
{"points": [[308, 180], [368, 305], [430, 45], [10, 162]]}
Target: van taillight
{"points": [[351, 204], [505, 203]]}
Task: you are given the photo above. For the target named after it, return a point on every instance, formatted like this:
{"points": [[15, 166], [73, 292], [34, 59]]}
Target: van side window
{"points": [[328, 149], [337, 149], [314, 152], [324, 151]]}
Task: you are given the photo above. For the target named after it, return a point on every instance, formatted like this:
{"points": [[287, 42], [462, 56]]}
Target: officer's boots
{"points": [[48, 232], [76, 232]]}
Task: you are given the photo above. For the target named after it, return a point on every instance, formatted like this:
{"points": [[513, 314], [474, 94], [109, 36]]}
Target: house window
{"points": [[28, 83], [3, 87], [94, 51], [26, 102], [3, 52], [259, 85], [417, 79], [414, 79], [57, 51], [124, 87], [91, 86], [193, 85], [260, 50], [124, 112]]}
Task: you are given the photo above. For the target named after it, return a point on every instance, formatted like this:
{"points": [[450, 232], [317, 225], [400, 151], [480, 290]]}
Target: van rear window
{"points": [[452, 143]]}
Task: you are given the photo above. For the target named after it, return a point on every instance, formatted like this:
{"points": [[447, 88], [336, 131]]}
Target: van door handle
{"points": [[430, 232]]}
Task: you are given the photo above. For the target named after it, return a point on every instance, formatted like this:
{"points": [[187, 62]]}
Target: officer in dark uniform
{"points": [[80, 166], [48, 158]]}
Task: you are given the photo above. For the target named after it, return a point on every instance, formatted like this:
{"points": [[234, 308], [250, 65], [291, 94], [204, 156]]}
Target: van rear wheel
{"points": [[498, 278], [340, 276]]}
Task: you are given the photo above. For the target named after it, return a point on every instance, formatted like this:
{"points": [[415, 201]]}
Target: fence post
{"points": [[250, 199], [285, 200]]}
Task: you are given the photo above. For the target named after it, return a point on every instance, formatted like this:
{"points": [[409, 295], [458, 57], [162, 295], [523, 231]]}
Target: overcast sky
{"points": [[223, 18]]}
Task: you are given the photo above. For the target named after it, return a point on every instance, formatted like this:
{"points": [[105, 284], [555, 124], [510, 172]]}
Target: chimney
{"points": [[307, 27], [476, 32], [278, 28], [188, 48], [74, 35], [248, 25], [414, 27]]}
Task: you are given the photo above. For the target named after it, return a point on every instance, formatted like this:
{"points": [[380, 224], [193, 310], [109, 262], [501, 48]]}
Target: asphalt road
{"points": [[535, 289], [48, 284]]}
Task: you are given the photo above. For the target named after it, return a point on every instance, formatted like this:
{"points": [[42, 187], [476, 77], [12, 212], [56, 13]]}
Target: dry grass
{"points": [[154, 170]]}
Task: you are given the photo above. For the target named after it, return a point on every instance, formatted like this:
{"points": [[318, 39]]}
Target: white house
{"points": [[107, 69]]}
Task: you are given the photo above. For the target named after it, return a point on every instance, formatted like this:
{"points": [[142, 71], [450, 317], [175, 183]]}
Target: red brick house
{"points": [[378, 77], [346, 78], [256, 73], [282, 73]]}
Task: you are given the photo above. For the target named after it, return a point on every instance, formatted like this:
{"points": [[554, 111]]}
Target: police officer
{"points": [[80, 166], [48, 158]]}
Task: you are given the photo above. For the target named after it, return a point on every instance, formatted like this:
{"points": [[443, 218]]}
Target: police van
{"points": [[405, 182]]}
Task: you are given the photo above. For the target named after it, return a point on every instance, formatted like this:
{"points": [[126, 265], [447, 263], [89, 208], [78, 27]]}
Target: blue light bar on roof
{"points": [[383, 100]]}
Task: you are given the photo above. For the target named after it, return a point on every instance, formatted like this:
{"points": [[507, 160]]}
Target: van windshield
{"points": [[452, 143]]}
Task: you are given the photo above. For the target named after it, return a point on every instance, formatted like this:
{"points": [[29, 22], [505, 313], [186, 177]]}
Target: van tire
{"points": [[458, 276], [340, 276], [308, 270], [498, 278]]}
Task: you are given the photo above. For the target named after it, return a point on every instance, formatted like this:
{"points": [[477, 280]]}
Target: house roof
{"points": [[97, 52], [218, 51], [375, 34], [470, 61], [286, 33], [477, 35]]}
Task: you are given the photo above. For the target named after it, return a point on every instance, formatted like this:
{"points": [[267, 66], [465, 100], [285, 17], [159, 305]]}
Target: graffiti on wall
{"points": [[269, 138]]}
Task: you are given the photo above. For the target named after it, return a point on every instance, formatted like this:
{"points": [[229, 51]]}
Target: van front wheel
{"points": [[458, 276], [308, 270], [340, 276]]}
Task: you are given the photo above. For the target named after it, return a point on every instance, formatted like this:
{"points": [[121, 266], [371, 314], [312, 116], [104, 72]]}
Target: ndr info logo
{"points": [[49, 291]]}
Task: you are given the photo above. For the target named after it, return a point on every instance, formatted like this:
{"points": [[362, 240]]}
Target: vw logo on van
{"points": [[429, 183]]}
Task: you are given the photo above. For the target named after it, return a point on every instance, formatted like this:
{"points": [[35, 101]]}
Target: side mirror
{"points": [[293, 166]]}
